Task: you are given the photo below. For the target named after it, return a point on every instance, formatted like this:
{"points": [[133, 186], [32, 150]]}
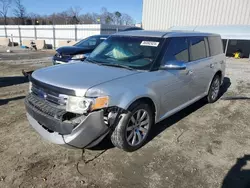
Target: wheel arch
{"points": [[219, 72], [146, 100]]}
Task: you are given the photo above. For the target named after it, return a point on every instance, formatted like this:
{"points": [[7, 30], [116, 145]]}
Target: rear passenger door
{"points": [[199, 65]]}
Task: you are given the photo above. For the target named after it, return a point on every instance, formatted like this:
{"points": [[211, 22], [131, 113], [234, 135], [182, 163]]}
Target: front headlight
{"points": [[82, 105], [78, 56]]}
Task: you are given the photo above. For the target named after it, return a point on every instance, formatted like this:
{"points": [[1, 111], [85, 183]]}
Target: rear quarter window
{"points": [[215, 45]]}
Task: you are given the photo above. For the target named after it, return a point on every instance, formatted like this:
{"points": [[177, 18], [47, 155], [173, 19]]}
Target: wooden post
{"points": [[35, 33], [12, 42], [75, 32], [54, 37], [20, 37], [5, 30]]}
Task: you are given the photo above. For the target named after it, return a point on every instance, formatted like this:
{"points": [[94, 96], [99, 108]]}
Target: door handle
{"points": [[189, 72], [211, 65]]}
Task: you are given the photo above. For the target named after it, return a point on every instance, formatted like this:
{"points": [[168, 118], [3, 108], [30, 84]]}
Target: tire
{"points": [[121, 136], [214, 90]]}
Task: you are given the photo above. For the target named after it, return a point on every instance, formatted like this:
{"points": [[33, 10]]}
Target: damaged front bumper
{"points": [[88, 133]]}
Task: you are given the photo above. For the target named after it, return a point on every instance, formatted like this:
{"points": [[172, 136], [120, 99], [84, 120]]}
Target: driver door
{"points": [[175, 87]]}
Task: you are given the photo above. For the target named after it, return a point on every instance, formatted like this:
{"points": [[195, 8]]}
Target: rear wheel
{"points": [[214, 90], [133, 128]]}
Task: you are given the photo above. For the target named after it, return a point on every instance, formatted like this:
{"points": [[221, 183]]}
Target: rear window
{"points": [[197, 48], [215, 45]]}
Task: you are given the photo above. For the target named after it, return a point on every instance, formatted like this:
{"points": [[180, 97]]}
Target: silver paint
{"points": [[169, 90]]}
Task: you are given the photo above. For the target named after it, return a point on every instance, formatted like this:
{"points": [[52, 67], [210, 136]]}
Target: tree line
{"points": [[73, 15]]}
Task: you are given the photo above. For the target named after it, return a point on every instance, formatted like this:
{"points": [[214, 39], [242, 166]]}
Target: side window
{"points": [[100, 40], [92, 42], [177, 50], [197, 48], [215, 45]]}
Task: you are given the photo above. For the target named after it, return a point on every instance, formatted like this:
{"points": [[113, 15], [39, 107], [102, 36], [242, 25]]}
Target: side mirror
{"points": [[173, 65]]}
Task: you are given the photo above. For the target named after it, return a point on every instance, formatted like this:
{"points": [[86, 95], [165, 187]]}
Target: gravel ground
{"points": [[204, 145]]}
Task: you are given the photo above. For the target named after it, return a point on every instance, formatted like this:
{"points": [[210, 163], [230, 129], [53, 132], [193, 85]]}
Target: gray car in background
{"points": [[131, 81]]}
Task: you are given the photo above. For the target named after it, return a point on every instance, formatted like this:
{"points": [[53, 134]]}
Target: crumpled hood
{"points": [[73, 50], [79, 76]]}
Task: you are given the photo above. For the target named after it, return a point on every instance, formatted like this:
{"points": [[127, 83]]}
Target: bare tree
{"points": [[65, 16], [106, 16], [52, 19], [59, 18], [75, 11], [35, 18], [86, 18], [20, 12], [4, 7], [126, 19], [90, 18], [70, 16]]}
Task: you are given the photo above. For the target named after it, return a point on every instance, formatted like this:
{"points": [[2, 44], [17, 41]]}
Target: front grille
{"points": [[49, 95], [45, 106], [48, 115]]}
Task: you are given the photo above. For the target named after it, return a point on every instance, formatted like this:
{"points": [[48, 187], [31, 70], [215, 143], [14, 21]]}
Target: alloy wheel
{"points": [[215, 88], [137, 127]]}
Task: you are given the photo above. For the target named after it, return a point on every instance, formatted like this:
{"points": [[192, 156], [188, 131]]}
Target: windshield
{"points": [[132, 52]]}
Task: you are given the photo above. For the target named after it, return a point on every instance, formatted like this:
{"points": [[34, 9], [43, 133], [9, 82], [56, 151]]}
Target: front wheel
{"points": [[133, 128], [214, 90]]}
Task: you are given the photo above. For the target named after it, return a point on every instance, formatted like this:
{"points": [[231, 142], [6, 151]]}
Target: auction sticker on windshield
{"points": [[149, 43]]}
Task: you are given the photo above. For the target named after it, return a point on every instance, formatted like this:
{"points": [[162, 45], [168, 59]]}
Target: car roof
{"points": [[163, 34], [104, 36], [100, 35], [132, 29]]}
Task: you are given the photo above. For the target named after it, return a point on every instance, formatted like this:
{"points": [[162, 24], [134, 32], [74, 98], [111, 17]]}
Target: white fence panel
{"points": [[45, 32], [65, 32], [52, 34], [2, 31], [27, 31], [84, 31], [13, 30]]}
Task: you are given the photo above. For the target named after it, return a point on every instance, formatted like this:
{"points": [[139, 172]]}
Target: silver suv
{"points": [[128, 83]]}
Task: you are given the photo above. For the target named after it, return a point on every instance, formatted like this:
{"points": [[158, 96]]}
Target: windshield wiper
{"points": [[109, 64], [117, 65]]}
